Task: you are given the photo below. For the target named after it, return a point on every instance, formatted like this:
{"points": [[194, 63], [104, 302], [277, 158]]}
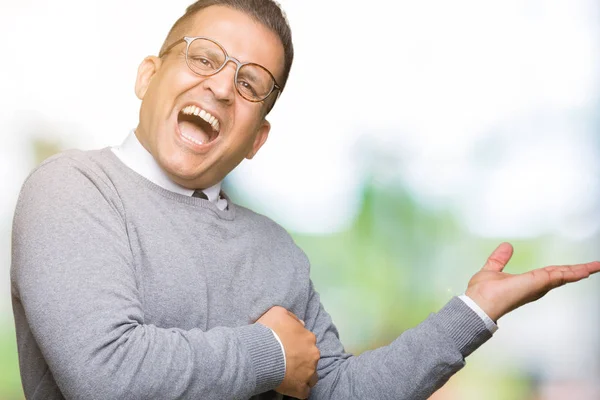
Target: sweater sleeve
{"points": [[413, 366], [73, 278]]}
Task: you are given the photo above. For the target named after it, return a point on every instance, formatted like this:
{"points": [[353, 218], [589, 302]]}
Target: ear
{"points": [[260, 139], [146, 71]]}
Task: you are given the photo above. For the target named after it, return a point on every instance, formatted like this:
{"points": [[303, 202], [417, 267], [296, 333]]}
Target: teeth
{"points": [[193, 110], [192, 139]]}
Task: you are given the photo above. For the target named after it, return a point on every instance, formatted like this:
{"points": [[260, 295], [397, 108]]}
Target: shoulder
{"points": [[71, 172], [62, 168], [68, 179]]}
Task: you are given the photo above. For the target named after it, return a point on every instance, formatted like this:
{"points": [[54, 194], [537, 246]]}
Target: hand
{"points": [[498, 293], [301, 352]]}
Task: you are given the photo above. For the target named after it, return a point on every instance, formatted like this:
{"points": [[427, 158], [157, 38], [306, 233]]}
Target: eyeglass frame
{"points": [[238, 63]]}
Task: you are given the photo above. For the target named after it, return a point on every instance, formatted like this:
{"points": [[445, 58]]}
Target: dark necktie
{"points": [[199, 194]]}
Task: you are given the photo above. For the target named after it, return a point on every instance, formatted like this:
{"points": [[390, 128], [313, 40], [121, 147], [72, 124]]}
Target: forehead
{"points": [[241, 35]]}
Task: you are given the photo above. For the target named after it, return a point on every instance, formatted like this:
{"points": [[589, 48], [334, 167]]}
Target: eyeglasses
{"points": [[206, 57]]}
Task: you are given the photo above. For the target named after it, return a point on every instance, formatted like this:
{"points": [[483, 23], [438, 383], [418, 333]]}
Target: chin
{"points": [[182, 170]]}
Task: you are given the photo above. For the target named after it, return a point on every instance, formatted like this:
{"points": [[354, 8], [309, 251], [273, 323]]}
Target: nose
{"points": [[222, 83]]}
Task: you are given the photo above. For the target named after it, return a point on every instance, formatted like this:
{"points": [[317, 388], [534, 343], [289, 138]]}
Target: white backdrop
{"points": [[440, 85]]}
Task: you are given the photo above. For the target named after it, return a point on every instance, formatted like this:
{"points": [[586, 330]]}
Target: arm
{"points": [[422, 359], [73, 275], [412, 367]]}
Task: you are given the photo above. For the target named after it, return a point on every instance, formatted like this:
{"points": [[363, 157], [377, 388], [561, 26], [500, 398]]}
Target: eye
{"points": [[203, 60], [247, 87]]}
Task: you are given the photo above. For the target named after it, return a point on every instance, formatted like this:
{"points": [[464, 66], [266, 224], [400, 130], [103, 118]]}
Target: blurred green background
{"points": [[397, 262], [413, 138]]}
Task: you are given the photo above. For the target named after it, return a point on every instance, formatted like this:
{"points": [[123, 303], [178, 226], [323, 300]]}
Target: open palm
{"points": [[498, 292]]}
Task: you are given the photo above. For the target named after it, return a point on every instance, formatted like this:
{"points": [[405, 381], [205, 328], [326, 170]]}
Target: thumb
{"points": [[499, 257]]}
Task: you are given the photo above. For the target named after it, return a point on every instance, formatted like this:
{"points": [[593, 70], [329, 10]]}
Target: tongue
{"points": [[193, 131]]}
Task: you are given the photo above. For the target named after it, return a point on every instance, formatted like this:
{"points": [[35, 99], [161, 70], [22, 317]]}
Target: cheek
{"points": [[250, 115], [169, 88], [247, 135]]}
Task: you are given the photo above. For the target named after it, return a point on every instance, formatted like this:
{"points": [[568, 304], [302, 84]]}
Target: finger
{"points": [[271, 311], [587, 268], [562, 277], [548, 278], [593, 267], [499, 257], [313, 380], [532, 285], [569, 273], [291, 314], [305, 392]]}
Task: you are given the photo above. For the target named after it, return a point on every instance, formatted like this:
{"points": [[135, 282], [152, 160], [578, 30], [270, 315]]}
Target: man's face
{"points": [[191, 151]]}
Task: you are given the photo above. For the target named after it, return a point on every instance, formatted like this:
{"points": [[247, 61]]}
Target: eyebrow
{"points": [[212, 53], [248, 73]]}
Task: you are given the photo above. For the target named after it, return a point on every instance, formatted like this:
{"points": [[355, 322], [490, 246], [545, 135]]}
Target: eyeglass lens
{"points": [[205, 57]]}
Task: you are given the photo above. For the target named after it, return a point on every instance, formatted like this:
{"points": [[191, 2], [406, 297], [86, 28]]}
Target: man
{"points": [[135, 276]]}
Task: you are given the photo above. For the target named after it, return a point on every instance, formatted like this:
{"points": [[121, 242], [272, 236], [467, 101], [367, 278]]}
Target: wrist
{"points": [[489, 323], [490, 308], [265, 354]]}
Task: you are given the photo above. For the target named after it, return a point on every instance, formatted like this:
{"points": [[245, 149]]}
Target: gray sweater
{"points": [[124, 290]]}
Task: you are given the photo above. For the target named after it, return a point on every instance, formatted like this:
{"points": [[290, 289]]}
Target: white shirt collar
{"points": [[135, 156]]}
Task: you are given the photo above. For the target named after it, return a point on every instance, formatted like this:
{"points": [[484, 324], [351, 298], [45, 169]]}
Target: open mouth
{"points": [[197, 125]]}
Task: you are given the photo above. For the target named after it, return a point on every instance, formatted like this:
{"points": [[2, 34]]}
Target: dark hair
{"points": [[267, 12]]}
